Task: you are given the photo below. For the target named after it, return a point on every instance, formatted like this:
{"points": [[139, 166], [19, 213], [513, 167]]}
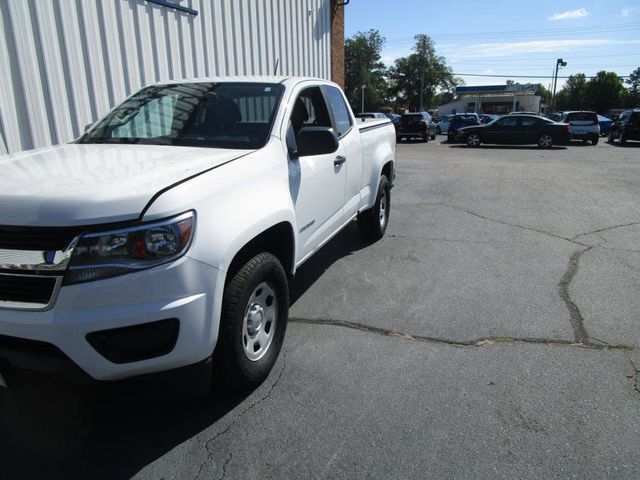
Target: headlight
{"points": [[103, 255]]}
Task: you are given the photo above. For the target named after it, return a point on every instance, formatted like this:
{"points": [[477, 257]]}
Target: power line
{"points": [[573, 31], [518, 76]]}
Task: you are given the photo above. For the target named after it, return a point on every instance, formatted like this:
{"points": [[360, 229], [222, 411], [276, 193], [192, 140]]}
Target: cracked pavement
{"points": [[493, 333]]}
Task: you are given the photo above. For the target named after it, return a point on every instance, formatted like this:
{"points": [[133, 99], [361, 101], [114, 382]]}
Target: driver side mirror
{"points": [[316, 141]]}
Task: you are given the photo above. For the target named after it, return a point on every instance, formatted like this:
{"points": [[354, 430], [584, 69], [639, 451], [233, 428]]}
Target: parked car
{"points": [[445, 122], [419, 125], [460, 121], [626, 127], [605, 125], [392, 116], [165, 238], [517, 130], [583, 126], [488, 118], [365, 115]]}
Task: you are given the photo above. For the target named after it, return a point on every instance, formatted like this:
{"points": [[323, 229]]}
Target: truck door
{"points": [[351, 148], [317, 182]]}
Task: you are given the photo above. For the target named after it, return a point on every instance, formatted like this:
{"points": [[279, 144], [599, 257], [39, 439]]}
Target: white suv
{"points": [[583, 126]]}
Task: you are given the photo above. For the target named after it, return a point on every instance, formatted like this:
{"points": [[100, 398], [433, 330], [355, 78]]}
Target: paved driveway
{"points": [[491, 334]]}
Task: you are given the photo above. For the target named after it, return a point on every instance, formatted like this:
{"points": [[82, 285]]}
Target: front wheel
{"points": [[255, 310], [438, 131], [611, 139], [373, 222], [622, 138], [595, 140], [545, 141]]}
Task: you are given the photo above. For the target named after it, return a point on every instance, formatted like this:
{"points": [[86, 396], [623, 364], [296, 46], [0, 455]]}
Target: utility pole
{"points": [[362, 90], [559, 63], [421, 86]]}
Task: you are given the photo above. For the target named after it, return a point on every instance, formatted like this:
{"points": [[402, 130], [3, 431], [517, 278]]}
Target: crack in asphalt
{"points": [[514, 225], [606, 229], [478, 342], [636, 372], [575, 317], [224, 466], [210, 441]]}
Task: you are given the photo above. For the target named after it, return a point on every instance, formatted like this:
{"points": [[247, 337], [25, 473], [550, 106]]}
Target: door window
{"points": [[507, 122], [529, 121], [340, 110]]}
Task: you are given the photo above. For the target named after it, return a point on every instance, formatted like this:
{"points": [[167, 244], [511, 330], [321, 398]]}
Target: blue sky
{"points": [[509, 37]]}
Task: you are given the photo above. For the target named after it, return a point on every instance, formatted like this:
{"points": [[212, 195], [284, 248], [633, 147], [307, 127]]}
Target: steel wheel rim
{"points": [[474, 140], [382, 214], [546, 141], [259, 324]]}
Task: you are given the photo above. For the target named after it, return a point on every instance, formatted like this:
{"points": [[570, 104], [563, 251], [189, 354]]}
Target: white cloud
{"points": [[535, 46], [569, 14], [628, 12]]}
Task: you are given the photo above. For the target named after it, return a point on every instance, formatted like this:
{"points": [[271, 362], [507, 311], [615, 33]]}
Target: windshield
{"points": [[221, 115]]}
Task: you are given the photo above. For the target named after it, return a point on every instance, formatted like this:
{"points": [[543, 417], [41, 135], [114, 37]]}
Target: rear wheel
{"points": [[545, 141], [255, 309], [438, 130], [425, 138], [611, 139], [373, 222], [595, 140], [473, 140]]}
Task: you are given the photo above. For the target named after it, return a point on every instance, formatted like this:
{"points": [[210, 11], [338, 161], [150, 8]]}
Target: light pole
{"points": [[362, 90], [559, 63]]}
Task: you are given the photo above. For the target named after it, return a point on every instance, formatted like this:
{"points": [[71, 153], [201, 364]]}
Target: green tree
{"points": [[633, 98], [363, 66], [420, 76], [573, 95], [605, 91]]}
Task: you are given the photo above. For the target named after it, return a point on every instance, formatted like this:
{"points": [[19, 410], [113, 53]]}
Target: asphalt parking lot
{"points": [[493, 333]]}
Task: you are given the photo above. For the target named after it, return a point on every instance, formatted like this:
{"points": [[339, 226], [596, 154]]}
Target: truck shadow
{"points": [[342, 245], [65, 431]]}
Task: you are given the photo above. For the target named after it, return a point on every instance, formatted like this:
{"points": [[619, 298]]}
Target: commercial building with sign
{"points": [[495, 99], [65, 63]]}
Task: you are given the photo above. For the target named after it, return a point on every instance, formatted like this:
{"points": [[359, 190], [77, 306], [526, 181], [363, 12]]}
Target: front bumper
{"points": [[186, 290]]}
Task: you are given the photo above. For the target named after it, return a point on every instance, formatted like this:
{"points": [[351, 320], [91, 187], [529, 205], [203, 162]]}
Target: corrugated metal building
{"points": [[65, 63]]}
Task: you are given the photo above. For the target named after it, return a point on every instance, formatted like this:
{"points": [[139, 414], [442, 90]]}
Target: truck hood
{"points": [[70, 185]]}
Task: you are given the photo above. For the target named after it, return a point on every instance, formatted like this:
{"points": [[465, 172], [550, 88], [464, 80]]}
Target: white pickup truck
{"points": [[164, 239]]}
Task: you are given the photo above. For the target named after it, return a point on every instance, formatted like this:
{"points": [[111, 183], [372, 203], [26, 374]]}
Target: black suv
{"points": [[626, 127], [416, 125]]}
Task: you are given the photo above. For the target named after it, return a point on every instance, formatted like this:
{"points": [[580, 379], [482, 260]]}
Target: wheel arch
{"points": [[279, 240]]}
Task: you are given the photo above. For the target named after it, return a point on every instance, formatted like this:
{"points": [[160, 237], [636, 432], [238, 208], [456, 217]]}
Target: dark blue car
{"points": [[605, 125]]}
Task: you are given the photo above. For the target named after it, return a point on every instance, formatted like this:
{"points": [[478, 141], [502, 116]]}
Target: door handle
{"points": [[339, 160]]}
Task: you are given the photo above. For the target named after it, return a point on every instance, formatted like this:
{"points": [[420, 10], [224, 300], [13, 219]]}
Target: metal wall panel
{"points": [[65, 63]]}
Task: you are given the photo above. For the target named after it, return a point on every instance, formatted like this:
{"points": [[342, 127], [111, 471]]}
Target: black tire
{"points": [[425, 138], [438, 130], [398, 139], [611, 139], [595, 140], [370, 224], [433, 137], [232, 367]]}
